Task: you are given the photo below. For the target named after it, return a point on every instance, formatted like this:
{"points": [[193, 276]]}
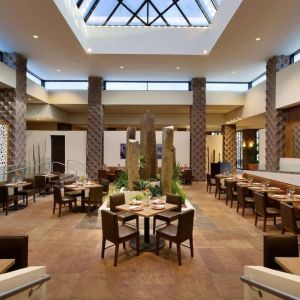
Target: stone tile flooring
{"points": [[224, 242]]}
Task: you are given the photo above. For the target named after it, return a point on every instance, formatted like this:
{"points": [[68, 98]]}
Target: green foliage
{"points": [[141, 161], [138, 197], [155, 191], [121, 180], [177, 173], [141, 185], [177, 189]]}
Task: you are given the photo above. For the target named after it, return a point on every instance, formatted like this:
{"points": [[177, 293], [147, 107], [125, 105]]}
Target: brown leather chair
{"points": [[102, 174], [171, 215], [7, 199], [288, 219], [210, 182], [69, 192], [116, 234], [40, 184], [15, 247], [27, 190], [187, 176], [58, 199], [243, 199], [54, 180], [231, 194], [279, 246], [178, 234], [105, 183], [262, 210], [123, 216], [94, 198], [220, 189]]}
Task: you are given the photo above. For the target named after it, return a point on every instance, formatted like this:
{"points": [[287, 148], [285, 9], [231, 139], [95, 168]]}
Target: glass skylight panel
{"points": [[120, 17], [168, 86], [33, 78], [126, 86], [85, 7], [134, 5], [102, 12], [230, 87], [259, 80], [208, 7], [162, 4], [296, 57], [64, 85], [174, 17], [193, 13]]}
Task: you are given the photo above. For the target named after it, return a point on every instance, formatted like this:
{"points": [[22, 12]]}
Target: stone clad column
{"points": [[275, 118], [198, 129], [13, 110], [94, 151], [133, 152], [130, 135], [229, 144]]}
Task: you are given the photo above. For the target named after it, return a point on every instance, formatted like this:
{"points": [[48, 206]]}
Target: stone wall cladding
{"points": [[94, 153], [198, 129], [229, 144], [275, 118]]}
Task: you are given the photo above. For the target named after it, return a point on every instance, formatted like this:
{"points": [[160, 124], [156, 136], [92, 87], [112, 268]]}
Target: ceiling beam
{"points": [[182, 13], [163, 12], [93, 7]]}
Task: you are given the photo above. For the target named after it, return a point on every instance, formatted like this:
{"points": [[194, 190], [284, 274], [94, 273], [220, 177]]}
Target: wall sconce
{"points": [[250, 144], [244, 144]]}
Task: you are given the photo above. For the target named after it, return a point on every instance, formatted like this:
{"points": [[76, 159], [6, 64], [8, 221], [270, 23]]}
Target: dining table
{"points": [[5, 264], [285, 198], [289, 264], [147, 241]]}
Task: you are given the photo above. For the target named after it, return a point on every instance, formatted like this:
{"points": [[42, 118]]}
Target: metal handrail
{"points": [[24, 287], [57, 162], [78, 162], [263, 287]]}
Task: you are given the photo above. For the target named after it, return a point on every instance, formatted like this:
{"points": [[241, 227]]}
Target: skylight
{"points": [[175, 13]]}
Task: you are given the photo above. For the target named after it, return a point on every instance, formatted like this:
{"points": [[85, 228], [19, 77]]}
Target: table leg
{"points": [[146, 230]]}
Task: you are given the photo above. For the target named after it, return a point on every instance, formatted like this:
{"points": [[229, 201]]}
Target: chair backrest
{"points": [[67, 182], [288, 218], [277, 246], [240, 195], [229, 189], [115, 200], [39, 181], [57, 194], [95, 195], [218, 183], [3, 194], [260, 204], [29, 186], [105, 183], [208, 178], [15, 247], [110, 229], [187, 175], [185, 225], [176, 200], [117, 173], [102, 174]]}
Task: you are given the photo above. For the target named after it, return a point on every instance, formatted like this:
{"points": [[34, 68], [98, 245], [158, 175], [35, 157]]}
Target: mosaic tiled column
{"points": [[94, 151], [13, 110], [229, 144], [198, 129], [275, 118]]}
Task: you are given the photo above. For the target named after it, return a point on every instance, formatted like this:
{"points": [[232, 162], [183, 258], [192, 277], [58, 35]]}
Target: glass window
{"points": [[65, 85], [126, 86], [33, 78], [232, 87], [259, 80], [296, 57], [168, 86]]}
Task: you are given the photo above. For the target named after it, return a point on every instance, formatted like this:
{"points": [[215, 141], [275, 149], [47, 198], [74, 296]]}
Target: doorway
{"points": [[58, 152]]}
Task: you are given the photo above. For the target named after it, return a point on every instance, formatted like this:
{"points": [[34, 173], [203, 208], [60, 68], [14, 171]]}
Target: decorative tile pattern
{"points": [[198, 129], [229, 144], [275, 118], [3, 149], [296, 141], [94, 153]]}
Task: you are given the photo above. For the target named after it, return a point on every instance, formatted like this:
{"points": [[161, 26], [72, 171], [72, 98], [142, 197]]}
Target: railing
{"points": [[30, 285], [259, 287], [82, 165]]}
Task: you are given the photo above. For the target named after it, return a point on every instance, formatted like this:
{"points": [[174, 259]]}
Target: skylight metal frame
{"points": [[203, 12]]}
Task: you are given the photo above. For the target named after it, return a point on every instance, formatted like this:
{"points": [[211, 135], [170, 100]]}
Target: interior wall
{"points": [[213, 143], [262, 149]]}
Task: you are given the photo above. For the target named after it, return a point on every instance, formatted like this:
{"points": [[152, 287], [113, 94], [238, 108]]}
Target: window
{"points": [[126, 86], [257, 144], [239, 149], [168, 86], [260, 79], [33, 78], [232, 87], [296, 57], [66, 85]]}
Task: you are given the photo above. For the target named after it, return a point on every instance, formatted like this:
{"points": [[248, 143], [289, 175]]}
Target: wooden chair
{"points": [[262, 210], [27, 190], [116, 234], [231, 194], [105, 183], [94, 198], [58, 199], [243, 199], [40, 184], [54, 180], [15, 247], [187, 176], [178, 234], [220, 189], [288, 219], [210, 182], [102, 174], [171, 215], [123, 216], [69, 192], [7, 199], [279, 246]]}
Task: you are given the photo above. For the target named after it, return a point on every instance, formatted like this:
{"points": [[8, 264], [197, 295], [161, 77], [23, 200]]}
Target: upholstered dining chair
{"points": [[288, 219], [279, 246], [94, 198], [220, 189], [6, 199], [123, 216], [243, 199], [27, 190], [69, 192], [58, 199], [209, 182], [40, 184], [262, 210], [231, 194], [178, 234], [187, 176], [117, 234], [102, 174], [171, 215], [105, 183]]}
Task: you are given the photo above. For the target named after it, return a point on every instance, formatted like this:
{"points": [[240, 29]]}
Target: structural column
{"points": [[94, 151], [275, 118], [198, 129], [13, 110], [229, 144]]}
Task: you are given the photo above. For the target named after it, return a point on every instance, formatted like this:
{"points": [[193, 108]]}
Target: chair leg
{"points": [[59, 210], [231, 202], [116, 255], [265, 222], [226, 199], [282, 229], [54, 205], [243, 214], [137, 223], [192, 247], [154, 225], [124, 245], [274, 221], [255, 219], [238, 207], [170, 244], [157, 245], [179, 254], [33, 197], [103, 247], [138, 245]]}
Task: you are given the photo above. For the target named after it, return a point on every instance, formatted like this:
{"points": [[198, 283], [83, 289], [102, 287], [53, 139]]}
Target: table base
{"points": [[147, 247], [17, 207]]}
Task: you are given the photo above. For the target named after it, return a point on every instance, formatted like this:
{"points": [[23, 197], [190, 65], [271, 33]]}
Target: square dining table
{"points": [[147, 242], [289, 264], [5, 264]]}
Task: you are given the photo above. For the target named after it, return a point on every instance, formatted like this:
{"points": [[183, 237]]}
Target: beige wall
{"points": [[7, 75]]}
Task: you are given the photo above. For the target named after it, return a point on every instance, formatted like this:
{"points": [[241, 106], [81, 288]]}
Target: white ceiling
{"points": [[277, 22]]}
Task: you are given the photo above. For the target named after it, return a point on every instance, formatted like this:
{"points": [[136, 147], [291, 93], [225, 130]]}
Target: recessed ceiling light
{"points": [[35, 36], [177, 68], [89, 50], [122, 67], [58, 70], [233, 72], [258, 39], [205, 51], [29, 99]]}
